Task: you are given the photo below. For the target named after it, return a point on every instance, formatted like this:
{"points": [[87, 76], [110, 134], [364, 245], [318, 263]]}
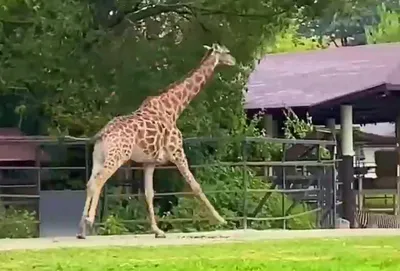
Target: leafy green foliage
{"points": [[69, 66], [224, 187], [290, 41], [16, 223], [388, 28], [226, 191], [112, 226], [295, 127], [121, 210], [348, 19]]}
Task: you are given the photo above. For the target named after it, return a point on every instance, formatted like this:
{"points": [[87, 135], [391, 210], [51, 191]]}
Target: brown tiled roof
{"points": [[324, 78], [14, 151]]}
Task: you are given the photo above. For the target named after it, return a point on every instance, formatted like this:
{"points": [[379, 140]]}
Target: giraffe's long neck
{"points": [[179, 95]]}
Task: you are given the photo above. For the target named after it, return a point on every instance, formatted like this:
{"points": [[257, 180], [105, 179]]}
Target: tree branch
{"points": [[16, 21], [154, 10], [136, 15], [205, 12]]}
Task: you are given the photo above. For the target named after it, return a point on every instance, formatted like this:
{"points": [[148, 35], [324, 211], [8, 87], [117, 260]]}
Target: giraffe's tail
{"points": [[90, 139]]}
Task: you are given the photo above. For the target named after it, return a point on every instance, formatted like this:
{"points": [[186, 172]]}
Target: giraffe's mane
{"points": [[188, 74]]}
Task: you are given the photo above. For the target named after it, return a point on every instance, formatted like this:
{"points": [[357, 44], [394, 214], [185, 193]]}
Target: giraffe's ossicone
{"points": [[150, 136]]}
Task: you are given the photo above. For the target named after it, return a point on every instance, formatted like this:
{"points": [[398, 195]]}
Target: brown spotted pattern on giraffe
{"points": [[189, 84], [158, 140], [152, 147], [151, 133], [130, 129], [140, 133], [173, 140], [198, 77], [184, 94], [178, 93], [174, 101], [150, 124], [160, 127], [167, 103], [141, 143]]}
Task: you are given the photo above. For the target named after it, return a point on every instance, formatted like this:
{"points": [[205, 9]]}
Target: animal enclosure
{"points": [[266, 183]]}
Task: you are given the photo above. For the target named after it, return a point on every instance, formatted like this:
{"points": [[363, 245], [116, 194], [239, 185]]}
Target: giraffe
{"points": [[150, 136]]}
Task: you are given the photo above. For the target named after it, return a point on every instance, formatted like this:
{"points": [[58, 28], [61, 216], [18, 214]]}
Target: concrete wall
{"points": [[60, 212]]}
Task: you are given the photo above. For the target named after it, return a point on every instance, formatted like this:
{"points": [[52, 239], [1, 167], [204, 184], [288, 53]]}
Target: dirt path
{"points": [[188, 238]]}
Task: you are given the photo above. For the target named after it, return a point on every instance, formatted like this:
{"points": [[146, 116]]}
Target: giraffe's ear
{"points": [[207, 47]]}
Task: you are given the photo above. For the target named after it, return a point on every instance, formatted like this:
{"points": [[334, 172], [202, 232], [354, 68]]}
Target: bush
{"points": [[230, 202], [113, 225], [15, 223], [121, 209]]}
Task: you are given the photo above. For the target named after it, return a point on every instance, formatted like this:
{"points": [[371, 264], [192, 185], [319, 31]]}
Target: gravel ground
{"points": [[188, 238]]}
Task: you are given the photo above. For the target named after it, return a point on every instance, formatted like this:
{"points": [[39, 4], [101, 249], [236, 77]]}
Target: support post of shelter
{"points": [[397, 208], [269, 125], [270, 132], [346, 172]]}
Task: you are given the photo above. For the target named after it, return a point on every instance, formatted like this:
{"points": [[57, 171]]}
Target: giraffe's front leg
{"points": [[149, 193]]}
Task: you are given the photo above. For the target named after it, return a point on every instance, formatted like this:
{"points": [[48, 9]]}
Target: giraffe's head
{"points": [[222, 54]]}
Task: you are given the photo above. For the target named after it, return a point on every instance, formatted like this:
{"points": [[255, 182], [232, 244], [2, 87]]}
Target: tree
{"points": [[348, 19], [69, 66], [388, 28]]}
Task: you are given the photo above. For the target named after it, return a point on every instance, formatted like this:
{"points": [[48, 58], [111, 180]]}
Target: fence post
{"points": [[38, 166], [284, 146], [87, 161], [245, 182]]}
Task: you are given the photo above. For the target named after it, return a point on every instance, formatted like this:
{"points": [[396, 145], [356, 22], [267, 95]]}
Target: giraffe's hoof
{"points": [[218, 220], [80, 236], [160, 235]]}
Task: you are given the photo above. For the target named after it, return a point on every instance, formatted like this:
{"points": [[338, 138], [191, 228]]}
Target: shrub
{"points": [[231, 204], [15, 223], [121, 209], [113, 225]]}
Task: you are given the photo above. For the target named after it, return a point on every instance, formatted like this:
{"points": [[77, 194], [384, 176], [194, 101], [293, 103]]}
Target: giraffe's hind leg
{"points": [[98, 161], [112, 162], [149, 192]]}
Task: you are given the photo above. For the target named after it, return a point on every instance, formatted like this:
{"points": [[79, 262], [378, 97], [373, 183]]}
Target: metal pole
{"points": [[39, 185], [283, 184], [245, 182], [396, 198], [347, 168], [334, 186], [321, 192], [87, 161]]}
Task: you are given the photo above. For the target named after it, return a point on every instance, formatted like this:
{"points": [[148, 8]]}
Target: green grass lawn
{"points": [[313, 254]]}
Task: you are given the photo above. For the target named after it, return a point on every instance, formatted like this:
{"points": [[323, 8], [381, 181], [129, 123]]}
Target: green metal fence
{"points": [[325, 192], [323, 195]]}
